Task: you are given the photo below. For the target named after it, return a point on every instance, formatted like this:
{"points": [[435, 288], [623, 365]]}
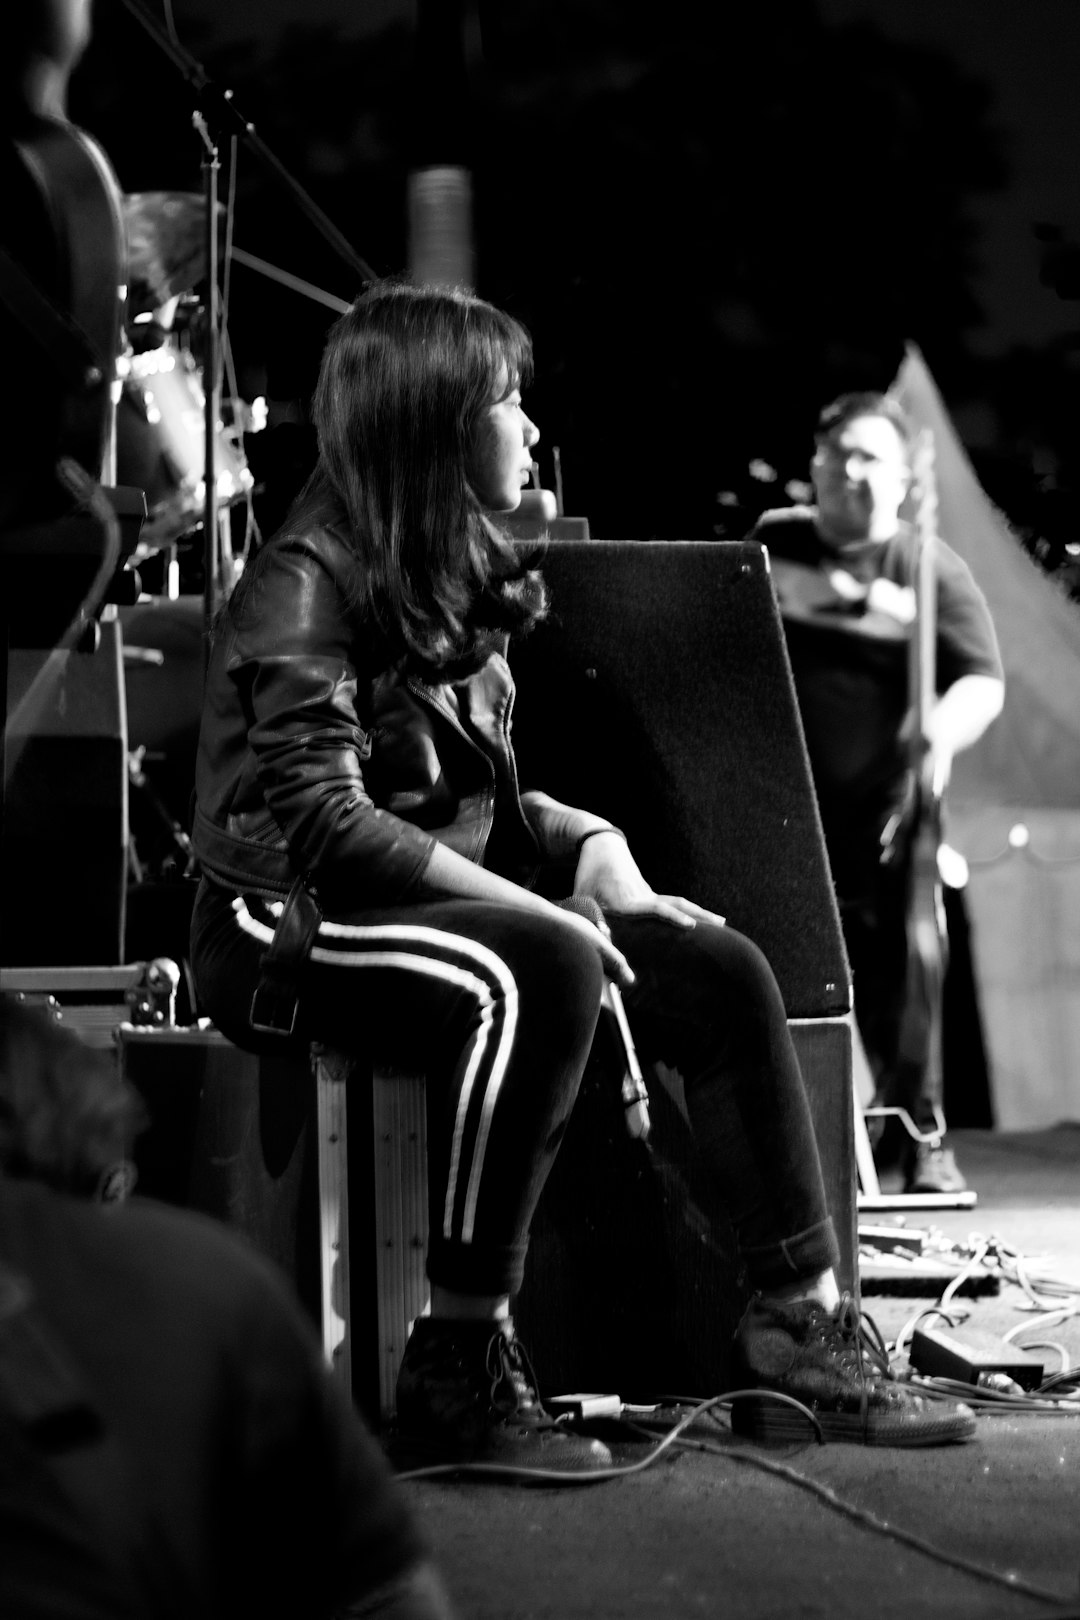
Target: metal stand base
{"points": [[872, 1202], [870, 1197]]}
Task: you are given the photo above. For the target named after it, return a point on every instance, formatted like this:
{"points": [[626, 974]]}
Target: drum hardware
{"points": [[217, 117], [168, 432], [166, 247], [95, 1000], [162, 434], [144, 655], [183, 860]]}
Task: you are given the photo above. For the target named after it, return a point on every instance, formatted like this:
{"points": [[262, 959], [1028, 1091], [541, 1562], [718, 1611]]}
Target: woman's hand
{"points": [[608, 872], [614, 962], [448, 873]]}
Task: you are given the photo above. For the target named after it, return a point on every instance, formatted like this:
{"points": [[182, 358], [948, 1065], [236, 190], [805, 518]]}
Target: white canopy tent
{"points": [[1013, 806]]}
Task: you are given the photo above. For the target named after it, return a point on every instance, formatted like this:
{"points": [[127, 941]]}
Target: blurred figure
{"points": [[62, 243], [844, 572], [171, 1443], [43, 40]]}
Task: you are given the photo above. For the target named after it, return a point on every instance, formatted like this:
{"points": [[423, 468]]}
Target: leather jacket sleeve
{"points": [[286, 732]]}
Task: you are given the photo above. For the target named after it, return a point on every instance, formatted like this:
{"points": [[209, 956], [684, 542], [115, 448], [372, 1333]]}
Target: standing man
{"points": [[844, 571]]}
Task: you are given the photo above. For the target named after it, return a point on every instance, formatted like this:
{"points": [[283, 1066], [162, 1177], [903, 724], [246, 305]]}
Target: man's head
{"points": [[861, 467]]}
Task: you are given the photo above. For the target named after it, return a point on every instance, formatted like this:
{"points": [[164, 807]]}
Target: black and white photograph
{"points": [[540, 810]]}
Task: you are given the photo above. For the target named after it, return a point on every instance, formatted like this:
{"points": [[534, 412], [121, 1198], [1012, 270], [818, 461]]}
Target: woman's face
{"points": [[500, 461]]}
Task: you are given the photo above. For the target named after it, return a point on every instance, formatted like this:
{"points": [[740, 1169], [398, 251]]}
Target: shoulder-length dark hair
{"points": [[405, 376]]}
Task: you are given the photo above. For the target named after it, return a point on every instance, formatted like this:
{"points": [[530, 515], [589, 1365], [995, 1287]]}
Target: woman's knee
{"points": [[559, 976], [708, 952], [734, 958]]}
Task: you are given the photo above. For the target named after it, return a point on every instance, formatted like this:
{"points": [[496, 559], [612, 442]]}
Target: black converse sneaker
{"points": [[466, 1392], [832, 1363]]}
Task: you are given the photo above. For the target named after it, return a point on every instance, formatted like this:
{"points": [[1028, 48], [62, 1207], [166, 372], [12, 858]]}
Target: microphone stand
{"points": [[217, 115], [214, 583]]}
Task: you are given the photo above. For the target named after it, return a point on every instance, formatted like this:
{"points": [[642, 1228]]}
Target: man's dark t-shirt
{"points": [[848, 612]]}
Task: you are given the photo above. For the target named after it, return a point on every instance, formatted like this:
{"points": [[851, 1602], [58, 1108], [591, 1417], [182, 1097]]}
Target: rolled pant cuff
{"points": [[793, 1259], [472, 1268]]}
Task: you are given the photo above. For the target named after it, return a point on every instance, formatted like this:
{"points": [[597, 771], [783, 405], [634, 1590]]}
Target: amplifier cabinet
{"points": [[63, 854], [633, 1283], [242, 1138]]}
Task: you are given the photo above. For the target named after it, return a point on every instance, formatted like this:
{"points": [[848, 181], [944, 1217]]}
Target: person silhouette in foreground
{"points": [[171, 1441]]}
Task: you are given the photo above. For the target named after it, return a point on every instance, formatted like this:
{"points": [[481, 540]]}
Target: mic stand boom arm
{"points": [[217, 115], [222, 114]]}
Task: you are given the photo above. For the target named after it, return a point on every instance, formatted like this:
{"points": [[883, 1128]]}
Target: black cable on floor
{"points": [[825, 1493], [677, 1436]]}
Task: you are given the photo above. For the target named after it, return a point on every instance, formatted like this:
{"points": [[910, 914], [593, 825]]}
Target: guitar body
{"points": [[63, 747], [63, 229], [61, 286]]}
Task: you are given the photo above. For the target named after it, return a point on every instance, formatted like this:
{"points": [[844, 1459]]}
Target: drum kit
{"points": [[161, 416], [161, 449]]}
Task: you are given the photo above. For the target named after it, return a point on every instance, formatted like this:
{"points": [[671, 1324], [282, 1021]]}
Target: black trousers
{"points": [[873, 901], [497, 1007]]}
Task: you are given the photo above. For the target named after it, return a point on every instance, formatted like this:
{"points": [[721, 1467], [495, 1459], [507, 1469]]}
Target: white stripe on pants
{"points": [[472, 968]]}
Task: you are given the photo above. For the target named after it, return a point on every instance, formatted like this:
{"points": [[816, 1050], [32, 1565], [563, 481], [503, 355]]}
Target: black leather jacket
{"points": [[319, 759]]}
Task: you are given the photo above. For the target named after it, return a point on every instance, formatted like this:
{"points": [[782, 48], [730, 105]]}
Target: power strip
{"points": [[584, 1406], [966, 1354]]}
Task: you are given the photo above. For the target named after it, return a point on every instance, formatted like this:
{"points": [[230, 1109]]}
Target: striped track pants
{"points": [[496, 1007]]}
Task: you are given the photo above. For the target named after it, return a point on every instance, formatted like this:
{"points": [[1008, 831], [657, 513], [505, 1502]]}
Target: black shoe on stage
{"points": [[466, 1393], [830, 1362]]}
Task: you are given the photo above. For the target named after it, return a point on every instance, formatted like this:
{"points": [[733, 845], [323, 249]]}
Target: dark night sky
{"points": [[1026, 51], [1028, 54], [252, 19], [1009, 68]]}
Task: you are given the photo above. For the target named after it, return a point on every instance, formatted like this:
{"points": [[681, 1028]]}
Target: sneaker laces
{"points": [[865, 1338], [514, 1383], [863, 1350]]}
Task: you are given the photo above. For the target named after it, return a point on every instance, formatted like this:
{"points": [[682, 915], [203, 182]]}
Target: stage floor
{"points": [[715, 1534]]}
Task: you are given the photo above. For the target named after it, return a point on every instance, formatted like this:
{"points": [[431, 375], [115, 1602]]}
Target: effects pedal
{"points": [[966, 1355]]}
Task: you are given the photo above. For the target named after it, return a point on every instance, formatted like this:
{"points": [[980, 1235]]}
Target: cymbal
{"points": [[166, 245]]}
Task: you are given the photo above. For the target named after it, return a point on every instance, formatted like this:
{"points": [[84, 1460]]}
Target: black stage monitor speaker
{"points": [[658, 693], [63, 854]]}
